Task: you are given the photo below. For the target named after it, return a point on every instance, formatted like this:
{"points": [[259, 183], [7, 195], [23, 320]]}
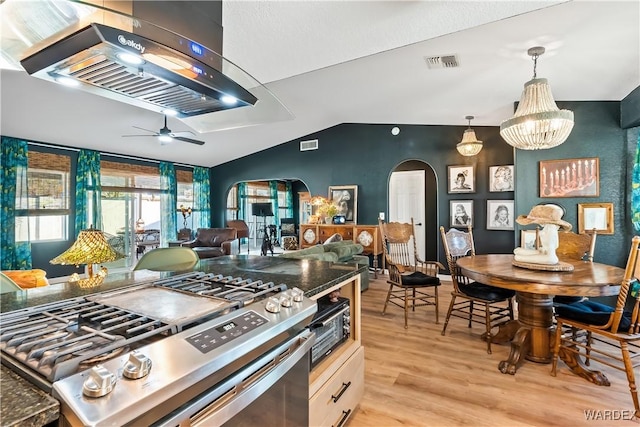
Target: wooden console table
{"points": [[367, 235]]}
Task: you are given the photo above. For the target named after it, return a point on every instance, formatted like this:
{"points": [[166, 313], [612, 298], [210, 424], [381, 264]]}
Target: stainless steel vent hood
{"points": [[158, 71]]}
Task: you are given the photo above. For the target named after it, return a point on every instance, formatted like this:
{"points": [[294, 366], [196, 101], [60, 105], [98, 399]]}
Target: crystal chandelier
{"points": [[469, 146], [538, 124]]}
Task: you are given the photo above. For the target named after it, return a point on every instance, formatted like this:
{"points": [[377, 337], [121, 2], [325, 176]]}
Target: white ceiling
{"points": [[334, 62]]}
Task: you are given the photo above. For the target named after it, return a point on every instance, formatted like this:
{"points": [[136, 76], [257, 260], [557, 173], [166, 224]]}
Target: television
{"points": [[261, 209]]}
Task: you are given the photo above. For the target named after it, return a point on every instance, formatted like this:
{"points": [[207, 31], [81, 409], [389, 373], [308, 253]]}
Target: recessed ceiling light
{"points": [[130, 58], [229, 100]]}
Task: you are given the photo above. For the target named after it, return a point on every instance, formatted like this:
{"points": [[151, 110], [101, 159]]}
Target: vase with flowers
{"points": [[328, 210]]}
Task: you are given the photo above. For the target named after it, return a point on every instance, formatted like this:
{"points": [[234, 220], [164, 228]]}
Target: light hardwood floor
{"points": [[416, 377]]}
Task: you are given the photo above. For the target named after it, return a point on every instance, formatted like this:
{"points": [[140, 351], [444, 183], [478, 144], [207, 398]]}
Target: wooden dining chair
{"points": [[572, 247], [412, 281], [473, 301], [609, 327]]}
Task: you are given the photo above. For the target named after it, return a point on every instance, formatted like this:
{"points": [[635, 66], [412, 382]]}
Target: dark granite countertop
{"points": [[25, 404]]}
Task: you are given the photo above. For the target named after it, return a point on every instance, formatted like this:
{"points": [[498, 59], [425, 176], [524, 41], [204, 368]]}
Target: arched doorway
{"points": [[410, 198]]}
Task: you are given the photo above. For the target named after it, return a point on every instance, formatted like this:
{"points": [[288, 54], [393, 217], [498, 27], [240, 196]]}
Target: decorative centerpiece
{"points": [[543, 257], [185, 233], [325, 208]]}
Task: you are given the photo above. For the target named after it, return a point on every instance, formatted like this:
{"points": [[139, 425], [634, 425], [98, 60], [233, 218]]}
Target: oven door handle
{"points": [[325, 322], [224, 401]]}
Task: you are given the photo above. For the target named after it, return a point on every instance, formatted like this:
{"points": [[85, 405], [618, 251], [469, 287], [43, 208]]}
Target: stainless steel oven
{"points": [[194, 349], [332, 325]]}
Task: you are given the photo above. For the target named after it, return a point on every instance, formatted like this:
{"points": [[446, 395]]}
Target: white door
{"points": [[406, 201]]}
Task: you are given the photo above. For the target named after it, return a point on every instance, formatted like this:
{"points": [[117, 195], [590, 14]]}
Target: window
{"points": [[184, 186], [42, 208]]}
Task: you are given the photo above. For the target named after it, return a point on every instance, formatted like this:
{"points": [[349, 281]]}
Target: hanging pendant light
{"points": [[469, 146], [538, 124]]}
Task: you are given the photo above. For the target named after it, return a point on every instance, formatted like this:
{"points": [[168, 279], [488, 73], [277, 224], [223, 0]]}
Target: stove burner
{"points": [[245, 296]]}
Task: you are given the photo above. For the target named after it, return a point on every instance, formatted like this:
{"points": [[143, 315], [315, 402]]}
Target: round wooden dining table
{"points": [[531, 334]]}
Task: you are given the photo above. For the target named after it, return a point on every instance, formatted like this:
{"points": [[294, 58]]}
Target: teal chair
{"points": [[8, 285], [168, 259]]}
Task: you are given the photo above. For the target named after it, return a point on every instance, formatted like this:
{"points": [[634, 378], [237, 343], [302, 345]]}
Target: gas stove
{"points": [[52, 341]]}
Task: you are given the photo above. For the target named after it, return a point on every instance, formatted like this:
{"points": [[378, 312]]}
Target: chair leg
{"points": [[406, 307], [446, 320], [487, 323], [556, 348], [413, 300], [386, 302], [587, 360], [628, 367], [437, 305], [511, 309], [470, 313]]}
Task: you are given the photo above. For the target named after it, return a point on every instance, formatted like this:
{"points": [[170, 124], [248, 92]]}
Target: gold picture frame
{"points": [[595, 216], [570, 177]]}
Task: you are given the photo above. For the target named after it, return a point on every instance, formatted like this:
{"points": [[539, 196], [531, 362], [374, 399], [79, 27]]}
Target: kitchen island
{"points": [[314, 278]]}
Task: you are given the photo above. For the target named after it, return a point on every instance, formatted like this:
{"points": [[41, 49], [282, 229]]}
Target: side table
{"points": [[174, 243]]}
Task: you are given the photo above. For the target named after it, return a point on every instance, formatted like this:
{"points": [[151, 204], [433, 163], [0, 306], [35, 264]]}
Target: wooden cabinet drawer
{"points": [[327, 231], [336, 400]]}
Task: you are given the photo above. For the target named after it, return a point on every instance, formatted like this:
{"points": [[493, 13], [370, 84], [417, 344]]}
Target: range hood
{"points": [[171, 73]]}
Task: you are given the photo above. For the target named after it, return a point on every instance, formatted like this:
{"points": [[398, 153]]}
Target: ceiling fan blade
{"points": [[184, 133], [146, 130], [126, 136], [193, 141]]}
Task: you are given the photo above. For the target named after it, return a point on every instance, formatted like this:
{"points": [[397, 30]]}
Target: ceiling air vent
{"points": [[312, 144], [441, 61]]}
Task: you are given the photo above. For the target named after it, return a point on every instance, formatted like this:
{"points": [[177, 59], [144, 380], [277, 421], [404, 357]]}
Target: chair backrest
{"points": [[457, 244], [572, 246], [630, 287], [168, 259], [241, 227], [288, 227], [8, 285], [395, 243]]}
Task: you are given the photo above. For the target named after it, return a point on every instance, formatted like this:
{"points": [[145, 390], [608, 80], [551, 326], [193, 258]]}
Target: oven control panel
{"points": [[226, 332]]}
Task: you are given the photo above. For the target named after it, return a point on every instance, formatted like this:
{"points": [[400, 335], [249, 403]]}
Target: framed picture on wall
{"points": [[462, 179], [346, 198], [528, 239], [595, 216], [461, 213], [570, 177], [500, 215], [500, 178]]}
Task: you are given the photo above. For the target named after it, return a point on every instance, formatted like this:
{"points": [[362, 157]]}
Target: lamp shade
{"points": [[469, 146], [537, 123], [90, 247]]}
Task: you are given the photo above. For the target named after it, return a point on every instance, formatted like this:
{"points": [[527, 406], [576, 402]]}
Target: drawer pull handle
{"points": [[342, 390], [345, 415]]}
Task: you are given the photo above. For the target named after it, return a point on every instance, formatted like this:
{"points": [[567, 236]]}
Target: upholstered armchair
{"points": [[212, 242]]}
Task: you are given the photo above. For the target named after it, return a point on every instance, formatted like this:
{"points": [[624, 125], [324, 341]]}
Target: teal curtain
{"points": [[289, 199], [242, 201], [168, 203], [201, 194], [273, 193], [14, 255], [88, 193], [635, 189]]}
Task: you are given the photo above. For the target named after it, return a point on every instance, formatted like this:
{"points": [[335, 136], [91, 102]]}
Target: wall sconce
{"points": [[469, 146], [538, 124]]}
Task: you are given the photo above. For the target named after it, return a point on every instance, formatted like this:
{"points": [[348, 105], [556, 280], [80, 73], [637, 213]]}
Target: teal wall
{"points": [[366, 154], [596, 133]]}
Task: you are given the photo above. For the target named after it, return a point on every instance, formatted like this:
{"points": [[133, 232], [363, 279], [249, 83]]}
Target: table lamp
{"points": [[90, 248]]}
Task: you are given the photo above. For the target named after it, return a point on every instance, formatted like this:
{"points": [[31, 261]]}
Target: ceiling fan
{"points": [[165, 135]]}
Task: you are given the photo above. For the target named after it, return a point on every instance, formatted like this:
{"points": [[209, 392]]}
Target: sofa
{"points": [[212, 242], [342, 251]]}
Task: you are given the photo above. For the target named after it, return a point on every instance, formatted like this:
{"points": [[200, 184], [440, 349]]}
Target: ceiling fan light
{"points": [[169, 112], [165, 138]]}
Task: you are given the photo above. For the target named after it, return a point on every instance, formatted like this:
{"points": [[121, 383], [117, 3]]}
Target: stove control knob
{"points": [[286, 300], [297, 294], [137, 366], [99, 383], [273, 305]]}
